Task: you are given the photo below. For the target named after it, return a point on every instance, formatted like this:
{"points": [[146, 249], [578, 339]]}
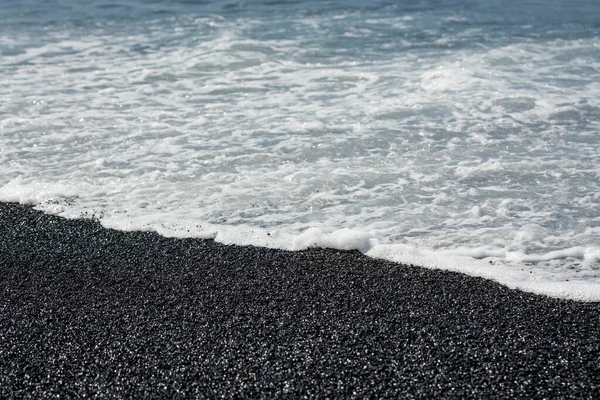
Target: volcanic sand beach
{"points": [[91, 311]]}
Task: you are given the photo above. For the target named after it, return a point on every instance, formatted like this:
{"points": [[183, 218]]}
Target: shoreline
{"points": [[92, 311]]}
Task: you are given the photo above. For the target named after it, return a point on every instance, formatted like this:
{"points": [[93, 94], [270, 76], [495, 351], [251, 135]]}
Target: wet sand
{"points": [[88, 311]]}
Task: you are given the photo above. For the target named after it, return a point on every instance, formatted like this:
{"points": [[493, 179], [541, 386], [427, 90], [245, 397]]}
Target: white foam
{"points": [[453, 149], [20, 191], [343, 239]]}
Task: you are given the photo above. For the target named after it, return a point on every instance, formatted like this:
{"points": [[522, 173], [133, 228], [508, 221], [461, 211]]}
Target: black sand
{"points": [[86, 311]]}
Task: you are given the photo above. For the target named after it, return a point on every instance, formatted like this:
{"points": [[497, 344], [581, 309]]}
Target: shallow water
{"points": [[459, 135]]}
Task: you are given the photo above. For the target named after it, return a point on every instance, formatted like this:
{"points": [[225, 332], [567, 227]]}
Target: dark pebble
{"points": [[91, 312]]}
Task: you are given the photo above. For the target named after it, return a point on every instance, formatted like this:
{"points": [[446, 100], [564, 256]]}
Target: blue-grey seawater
{"points": [[453, 134]]}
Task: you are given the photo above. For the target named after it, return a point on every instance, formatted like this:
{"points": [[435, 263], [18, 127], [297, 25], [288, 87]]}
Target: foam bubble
{"points": [[463, 146], [343, 239]]}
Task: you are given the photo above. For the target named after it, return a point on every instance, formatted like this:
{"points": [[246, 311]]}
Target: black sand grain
{"points": [[86, 311]]}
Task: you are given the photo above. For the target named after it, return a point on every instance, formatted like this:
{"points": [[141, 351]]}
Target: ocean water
{"points": [[462, 135]]}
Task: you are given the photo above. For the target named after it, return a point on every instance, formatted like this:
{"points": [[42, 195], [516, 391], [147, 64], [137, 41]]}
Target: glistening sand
{"points": [[96, 312]]}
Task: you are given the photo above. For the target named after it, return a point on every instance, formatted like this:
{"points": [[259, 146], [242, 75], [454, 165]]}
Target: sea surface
{"points": [[462, 135]]}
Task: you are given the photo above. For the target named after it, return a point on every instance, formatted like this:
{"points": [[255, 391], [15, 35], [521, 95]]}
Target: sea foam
{"points": [[420, 135]]}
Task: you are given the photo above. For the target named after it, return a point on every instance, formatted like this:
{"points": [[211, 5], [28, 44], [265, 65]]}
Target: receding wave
{"points": [[452, 137]]}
